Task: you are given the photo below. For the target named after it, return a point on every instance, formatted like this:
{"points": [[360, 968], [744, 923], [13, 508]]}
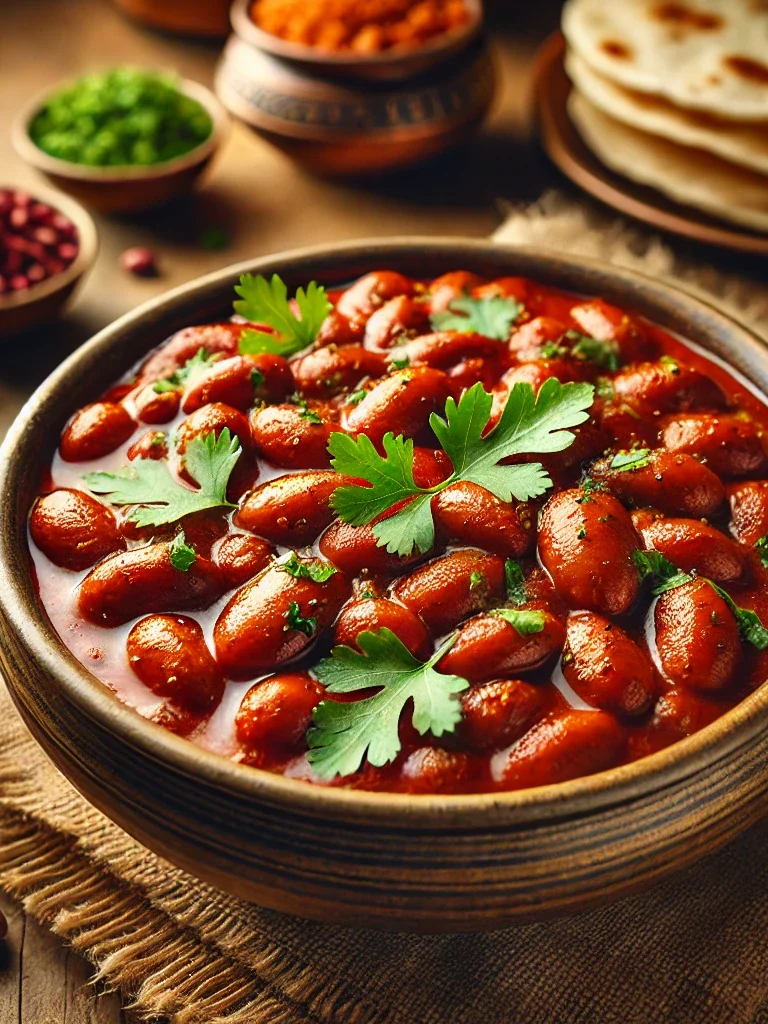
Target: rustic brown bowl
{"points": [[208, 18], [439, 863], [44, 302], [391, 65], [124, 189]]}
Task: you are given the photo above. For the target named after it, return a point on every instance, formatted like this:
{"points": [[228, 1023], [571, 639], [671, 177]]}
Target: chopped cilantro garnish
{"points": [[514, 581], [297, 621], [161, 498], [400, 364], [551, 350], [670, 364], [476, 579], [529, 423], [189, 374], [492, 317], [305, 412], [182, 556], [257, 378], [762, 549], [357, 396], [637, 459], [604, 389], [320, 572], [266, 302], [343, 735], [602, 353], [525, 622]]}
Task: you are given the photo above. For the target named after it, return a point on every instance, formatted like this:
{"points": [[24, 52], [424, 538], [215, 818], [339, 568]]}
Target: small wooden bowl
{"points": [[438, 863], [391, 65], [342, 127], [124, 189], [209, 18], [45, 301]]}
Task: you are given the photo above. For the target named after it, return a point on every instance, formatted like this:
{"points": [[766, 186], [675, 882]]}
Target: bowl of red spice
{"points": [[48, 242], [370, 39]]}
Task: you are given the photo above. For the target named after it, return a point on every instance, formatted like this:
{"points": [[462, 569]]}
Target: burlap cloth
{"points": [[692, 949]]}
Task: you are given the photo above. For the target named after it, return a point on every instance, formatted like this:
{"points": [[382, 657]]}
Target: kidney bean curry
{"points": [[453, 536]]}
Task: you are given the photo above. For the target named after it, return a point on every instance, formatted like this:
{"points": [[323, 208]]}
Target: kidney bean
{"points": [[153, 407], [469, 514], [353, 549], [443, 592], [562, 746], [285, 436], [389, 323], [73, 529], [680, 713], [213, 419], [240, 381], [697, 638], [435, 770], [292, 510], [376, 613], [731, 444], [241, 557], [169, 655], [137, 582], [446, 348], [666, 386], [140, 261], [253, 633], [749, 510], [506, 287], [372, 291], [625, 425], [152, 444], [95, 431], [464, 374], [219, 337], [587, 544], [401, 403], [601, 320], [339, 330], [448, 287], [693, 546], [277, 712], [535, 374], [488, 647], [672, 482], [332, 371], [498, 713], [180, 721], [529, 339], [589, 441], [606, 668], [431, 466]]}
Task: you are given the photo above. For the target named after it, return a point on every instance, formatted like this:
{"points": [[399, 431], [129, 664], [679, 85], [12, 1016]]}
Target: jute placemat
{"points": [[690, 951]]}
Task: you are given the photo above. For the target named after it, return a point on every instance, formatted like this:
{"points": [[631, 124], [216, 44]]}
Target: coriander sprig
{"points": [[492, 316], [265, 301], [529, 424]]}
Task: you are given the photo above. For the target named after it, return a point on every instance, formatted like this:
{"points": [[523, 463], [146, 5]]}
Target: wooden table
{"points": [[263, 203]]}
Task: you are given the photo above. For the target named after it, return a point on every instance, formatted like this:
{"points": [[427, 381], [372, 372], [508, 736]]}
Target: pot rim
{"points": [[737, 728]]}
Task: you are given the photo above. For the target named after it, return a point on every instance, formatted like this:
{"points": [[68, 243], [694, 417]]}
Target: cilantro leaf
{"points": [[160, 496], [750, 627], [182, 556], [305, 412], [528, 424], [514, 581], [663, 575], [320, 572], [343, 735], [525, 622], [762, 549], [637, 459], [266, 302], [476, 579], [295, 620], [189, 374], [357, 396], [604, 354], [492, 317]]}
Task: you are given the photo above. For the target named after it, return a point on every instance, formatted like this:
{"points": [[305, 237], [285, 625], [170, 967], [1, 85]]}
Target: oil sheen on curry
{"points": [[455, 536]]}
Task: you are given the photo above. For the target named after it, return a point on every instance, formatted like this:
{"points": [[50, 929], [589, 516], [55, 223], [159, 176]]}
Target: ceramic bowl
{"points": [[208, 18], [388, 66], [439, 863], [44, 302], [124, 189], [342, 127]]}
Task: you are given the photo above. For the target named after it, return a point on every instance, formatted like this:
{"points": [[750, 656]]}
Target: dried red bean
{"points": [[139, 261]]}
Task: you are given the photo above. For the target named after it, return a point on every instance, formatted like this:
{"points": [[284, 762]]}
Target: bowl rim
{"points": [[446, 43], [738, 727], [42, 161], [88, 247]]}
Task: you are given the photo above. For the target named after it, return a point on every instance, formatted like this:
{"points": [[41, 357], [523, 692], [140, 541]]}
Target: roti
{"points": [[686, 175], [709, 55], [738, 142]]}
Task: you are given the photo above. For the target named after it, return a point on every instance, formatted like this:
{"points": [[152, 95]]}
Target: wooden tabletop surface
{"points": [[263, 203]]}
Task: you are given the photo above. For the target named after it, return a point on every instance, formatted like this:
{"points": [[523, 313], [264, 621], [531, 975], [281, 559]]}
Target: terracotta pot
{"points": [[441, 863]]}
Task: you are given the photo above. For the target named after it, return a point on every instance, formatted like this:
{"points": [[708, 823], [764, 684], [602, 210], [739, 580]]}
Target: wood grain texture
{"points": [[392, 861]]}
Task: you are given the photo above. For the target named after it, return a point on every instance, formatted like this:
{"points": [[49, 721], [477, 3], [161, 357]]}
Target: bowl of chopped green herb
{"points": [[419, 849], [122, 140]]}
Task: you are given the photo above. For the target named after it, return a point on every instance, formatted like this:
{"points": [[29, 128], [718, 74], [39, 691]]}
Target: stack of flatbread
{"points": [[675, 96]]}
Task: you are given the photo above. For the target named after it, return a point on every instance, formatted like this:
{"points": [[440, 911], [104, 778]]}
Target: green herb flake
{"points": [[762, 549], [305, 412], [627, 461], [400, 364], [514, 581], [604, 354], [257, 378], [319, 572], [357, 396], [266, 302], [189, 374], [344, 735], [529, 424], [670, 364], [551, 350], [182, 556], [525, 622], [582, 532], [476, 579], [604, 389], [492, 317], [160, 497], [295, 620]]}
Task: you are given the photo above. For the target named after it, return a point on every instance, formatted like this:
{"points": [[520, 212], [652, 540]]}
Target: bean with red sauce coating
{"points": [[169, 655], [73, 529], [672, 482], [95, 431]]}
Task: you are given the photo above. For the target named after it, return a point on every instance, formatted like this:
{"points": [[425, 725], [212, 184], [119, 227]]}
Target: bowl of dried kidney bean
{"points": [[48, 242], [390, 593]]}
